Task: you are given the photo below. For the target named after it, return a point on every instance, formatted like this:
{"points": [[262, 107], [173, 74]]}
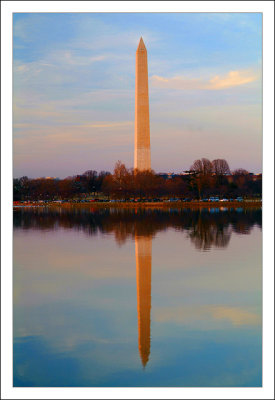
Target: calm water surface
{"points": [[137, 297]]}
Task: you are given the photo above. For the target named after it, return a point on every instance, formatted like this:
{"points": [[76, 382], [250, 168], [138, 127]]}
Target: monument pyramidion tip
{"points": [[141, 45]]}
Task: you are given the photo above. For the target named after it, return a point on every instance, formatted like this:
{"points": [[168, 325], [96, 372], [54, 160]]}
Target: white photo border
{"points": [[264, 7]]}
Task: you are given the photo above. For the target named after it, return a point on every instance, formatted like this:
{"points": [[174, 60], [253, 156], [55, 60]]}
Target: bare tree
{"points": [[220, 167], [91, 179], [240, 171], [241, 178], [203, 166], [90, 174], [203, 170], [145, 183], [108, 185], [121, 177]]}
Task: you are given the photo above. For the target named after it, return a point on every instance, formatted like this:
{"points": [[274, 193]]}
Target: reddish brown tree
{"points": [[202, 174]]}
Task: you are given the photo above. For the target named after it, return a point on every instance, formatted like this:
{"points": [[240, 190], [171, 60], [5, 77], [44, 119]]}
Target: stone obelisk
{"points": [[142, 125], [143, 273]]}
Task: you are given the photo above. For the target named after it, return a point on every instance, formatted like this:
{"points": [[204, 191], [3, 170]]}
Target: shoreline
{"points": [[164, 204]]}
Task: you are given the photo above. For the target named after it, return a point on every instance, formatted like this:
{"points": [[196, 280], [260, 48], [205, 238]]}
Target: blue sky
{"points": [[74, 83]]}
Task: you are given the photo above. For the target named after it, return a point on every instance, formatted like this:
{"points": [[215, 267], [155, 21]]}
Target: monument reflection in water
{"points": [[143, 246], [82, 297]]}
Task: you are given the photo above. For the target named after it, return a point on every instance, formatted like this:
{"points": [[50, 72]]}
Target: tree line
{"points": [[203, 228], [88, 183], [203, 179]]}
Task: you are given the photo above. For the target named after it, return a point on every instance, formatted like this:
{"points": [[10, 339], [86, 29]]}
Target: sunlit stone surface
{"points": [[142, 125]]}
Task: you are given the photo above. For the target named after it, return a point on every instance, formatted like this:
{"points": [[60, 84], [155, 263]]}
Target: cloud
{"points": [[192, 314], [44, 136], [70, 58], [22, 125], [93, 109], [108, 124], [231, 79], [235, 315], [58, 60], [175, 83]]}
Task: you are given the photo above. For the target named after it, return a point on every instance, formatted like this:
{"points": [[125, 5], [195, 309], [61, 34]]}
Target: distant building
{"points": [[54, 178], [171, 175]]}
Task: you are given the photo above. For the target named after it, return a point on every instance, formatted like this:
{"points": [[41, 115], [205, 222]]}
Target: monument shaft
{"points": [[142, 124]]}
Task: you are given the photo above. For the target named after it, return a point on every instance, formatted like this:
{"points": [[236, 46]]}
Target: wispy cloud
{"points": [[231, 79], [108, 124], [58, 59], [84, 109], [236, 315], [72, 59], [190, 314], [103, 136]]}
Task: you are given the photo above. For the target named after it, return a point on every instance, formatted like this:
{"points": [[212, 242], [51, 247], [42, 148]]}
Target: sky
{"points": [[74, 90]]}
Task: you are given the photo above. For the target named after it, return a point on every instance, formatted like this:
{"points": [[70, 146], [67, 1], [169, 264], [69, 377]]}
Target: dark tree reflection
{"points": [[204, 228], [205, 235]]}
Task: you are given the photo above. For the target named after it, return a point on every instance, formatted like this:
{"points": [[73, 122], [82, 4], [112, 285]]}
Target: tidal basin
{"points": [[137, 297]]}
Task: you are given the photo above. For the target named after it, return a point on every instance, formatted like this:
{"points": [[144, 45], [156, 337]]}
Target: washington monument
{"points": [[142, 125]]}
